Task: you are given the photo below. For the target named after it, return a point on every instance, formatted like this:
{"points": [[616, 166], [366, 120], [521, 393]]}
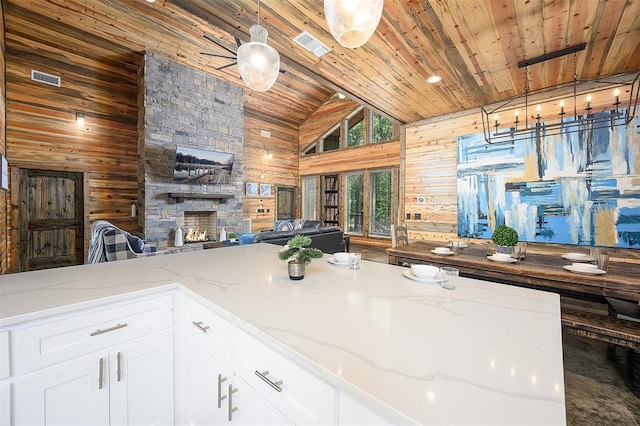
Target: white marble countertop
{"points": [[484, 353]]}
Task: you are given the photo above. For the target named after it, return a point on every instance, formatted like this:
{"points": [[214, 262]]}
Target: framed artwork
{"points": [[251, 189], [265, 189], [4, 172]]}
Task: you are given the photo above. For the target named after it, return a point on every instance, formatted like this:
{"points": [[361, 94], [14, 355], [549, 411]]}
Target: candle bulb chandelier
{"points": [[561, 109]]}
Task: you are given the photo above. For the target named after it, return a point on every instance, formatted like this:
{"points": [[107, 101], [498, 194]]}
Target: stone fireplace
{"points": [[180, 106]]}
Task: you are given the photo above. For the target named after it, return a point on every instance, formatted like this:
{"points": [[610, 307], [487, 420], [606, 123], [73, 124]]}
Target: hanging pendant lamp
{"points": [[258, 63], [352, 22]]}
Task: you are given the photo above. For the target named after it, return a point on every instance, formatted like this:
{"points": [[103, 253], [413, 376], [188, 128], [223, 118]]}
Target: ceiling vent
{"points": [[45, 78], [311, 43]]}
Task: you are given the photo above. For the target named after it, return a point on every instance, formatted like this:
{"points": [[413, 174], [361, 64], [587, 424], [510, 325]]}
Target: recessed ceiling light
{"points": [[434, 79], [151, 1], [341, 96]]}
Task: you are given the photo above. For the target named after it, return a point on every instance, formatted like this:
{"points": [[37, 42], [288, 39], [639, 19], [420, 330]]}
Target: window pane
{"points": [[309, 198], [355, 129], [382, 128], [380, 187], [332, 140], [354, 200]]}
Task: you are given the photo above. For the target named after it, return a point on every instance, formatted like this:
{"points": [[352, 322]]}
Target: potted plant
{"points": [[505, 239], [233, 237], [299, 255]]}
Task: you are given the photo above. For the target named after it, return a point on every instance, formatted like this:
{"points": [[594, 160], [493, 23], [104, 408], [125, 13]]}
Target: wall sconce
{"points": [[268, 155], [80, 118]]}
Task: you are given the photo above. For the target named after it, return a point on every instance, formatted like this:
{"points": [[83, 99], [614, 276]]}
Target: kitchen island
{"points": [[412, 352]]}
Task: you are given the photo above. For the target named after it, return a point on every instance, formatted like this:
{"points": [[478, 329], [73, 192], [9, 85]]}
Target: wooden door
{"points": [[50, 219], [286, 199]]}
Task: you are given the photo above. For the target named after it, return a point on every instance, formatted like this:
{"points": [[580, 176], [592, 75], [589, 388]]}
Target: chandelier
{"points": [[258, 63], [568, 107], [352, 22]]}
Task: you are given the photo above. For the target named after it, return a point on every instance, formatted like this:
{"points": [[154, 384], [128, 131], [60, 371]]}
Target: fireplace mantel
{"points": [[180, 196]]}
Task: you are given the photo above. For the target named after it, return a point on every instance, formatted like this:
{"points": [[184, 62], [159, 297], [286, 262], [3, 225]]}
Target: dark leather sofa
{"points": [[329, 239]]}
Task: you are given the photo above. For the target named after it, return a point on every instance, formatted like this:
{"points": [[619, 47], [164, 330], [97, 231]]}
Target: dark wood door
{"points": [[286, 198], [51, 219]]}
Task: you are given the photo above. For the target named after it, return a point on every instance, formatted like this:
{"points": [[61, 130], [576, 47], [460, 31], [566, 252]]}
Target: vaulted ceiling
{"points": [[475, 45]]}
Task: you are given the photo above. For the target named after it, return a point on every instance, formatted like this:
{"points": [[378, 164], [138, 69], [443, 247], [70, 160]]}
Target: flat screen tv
{"points": [[202, 166]]}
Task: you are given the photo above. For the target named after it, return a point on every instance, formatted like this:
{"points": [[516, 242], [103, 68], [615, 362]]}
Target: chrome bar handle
{"points": [[100, 373], [232, 409], [119, 366], [106, 330], [276, 385], [220, 396], [201, 327]]}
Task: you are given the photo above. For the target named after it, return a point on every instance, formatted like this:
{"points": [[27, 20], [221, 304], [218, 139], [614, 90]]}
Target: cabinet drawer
{"points": [[210, 329], [68, 336], [302, 397]]}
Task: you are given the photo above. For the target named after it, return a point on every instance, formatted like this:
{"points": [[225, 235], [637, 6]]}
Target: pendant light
{"points": [[352, 22], [258, 63]]}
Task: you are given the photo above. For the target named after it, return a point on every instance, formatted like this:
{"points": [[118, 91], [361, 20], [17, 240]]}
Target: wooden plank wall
{"points": [[279, 169], [98, 80], [4, 218], [430, 171]]}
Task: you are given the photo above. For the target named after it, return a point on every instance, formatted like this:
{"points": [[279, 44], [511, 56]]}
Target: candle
{"points": [[588, 101], [517, 113], [561, 107], [495, 117], [616, 93], [538, 108]]}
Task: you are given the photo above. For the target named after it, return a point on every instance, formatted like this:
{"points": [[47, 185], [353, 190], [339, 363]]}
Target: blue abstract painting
{"points": [[577, 188]]}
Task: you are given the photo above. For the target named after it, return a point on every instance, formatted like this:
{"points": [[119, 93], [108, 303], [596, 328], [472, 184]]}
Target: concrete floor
{"points": [[597, 390]]}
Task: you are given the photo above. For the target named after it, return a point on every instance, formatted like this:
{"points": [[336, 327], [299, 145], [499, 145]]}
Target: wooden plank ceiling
{"points": [[474, 45]]}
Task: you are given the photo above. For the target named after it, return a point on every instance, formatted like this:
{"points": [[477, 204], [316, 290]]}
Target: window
{"points": [[309, 198], [331, 141], [380, 203], [354, 202], [355, 129], [383, 128]]}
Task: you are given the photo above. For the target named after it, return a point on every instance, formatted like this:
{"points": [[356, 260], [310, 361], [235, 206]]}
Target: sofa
{"points": [[329, 239]]}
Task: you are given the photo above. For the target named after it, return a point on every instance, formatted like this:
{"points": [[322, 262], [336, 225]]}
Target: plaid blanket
{"points": [[109, 243]]}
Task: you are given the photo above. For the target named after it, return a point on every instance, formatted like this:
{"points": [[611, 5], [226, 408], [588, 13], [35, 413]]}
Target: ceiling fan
{"points": [[232, 56]]}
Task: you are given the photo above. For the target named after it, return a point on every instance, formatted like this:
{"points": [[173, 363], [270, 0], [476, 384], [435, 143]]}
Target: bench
{"points": [[615, 331]]}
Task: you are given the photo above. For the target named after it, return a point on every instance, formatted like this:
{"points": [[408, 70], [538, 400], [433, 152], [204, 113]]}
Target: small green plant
{"points": [[297, 250], [233, 236], [505, 236]]}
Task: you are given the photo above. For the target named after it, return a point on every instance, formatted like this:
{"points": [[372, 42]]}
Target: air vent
{"points": [[311, 43], [45, 78]]}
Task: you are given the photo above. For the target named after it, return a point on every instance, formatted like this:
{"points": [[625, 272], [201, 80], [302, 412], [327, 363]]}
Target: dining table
{"points": [[551, 272]]}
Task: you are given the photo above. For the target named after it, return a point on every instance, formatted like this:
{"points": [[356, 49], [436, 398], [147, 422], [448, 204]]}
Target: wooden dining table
{"points": [[540, 271]]}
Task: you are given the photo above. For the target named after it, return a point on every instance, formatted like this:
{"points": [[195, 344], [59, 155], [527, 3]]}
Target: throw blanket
{"points": [[96, 246]]}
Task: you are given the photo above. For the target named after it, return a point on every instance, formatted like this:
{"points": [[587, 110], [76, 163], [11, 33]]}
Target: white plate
{"points": [[583, 271], [407, 273], [577, 259], [333, 261], [442, 253], [497, 259]]}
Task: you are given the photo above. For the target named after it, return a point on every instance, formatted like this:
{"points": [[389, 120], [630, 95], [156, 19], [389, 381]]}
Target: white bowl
{"points": [[341, 257], [576, 256], [442, 250], [501, 256], [425, 271], [584, 266]]}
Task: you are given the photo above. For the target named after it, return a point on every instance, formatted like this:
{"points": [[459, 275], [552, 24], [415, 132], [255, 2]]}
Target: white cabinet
{"points": [[213, 394], [130, 385], [141, 381], [73, 393]]}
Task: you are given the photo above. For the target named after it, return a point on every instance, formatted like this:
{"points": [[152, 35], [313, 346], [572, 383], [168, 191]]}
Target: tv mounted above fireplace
{"points": [[194, 165]]}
